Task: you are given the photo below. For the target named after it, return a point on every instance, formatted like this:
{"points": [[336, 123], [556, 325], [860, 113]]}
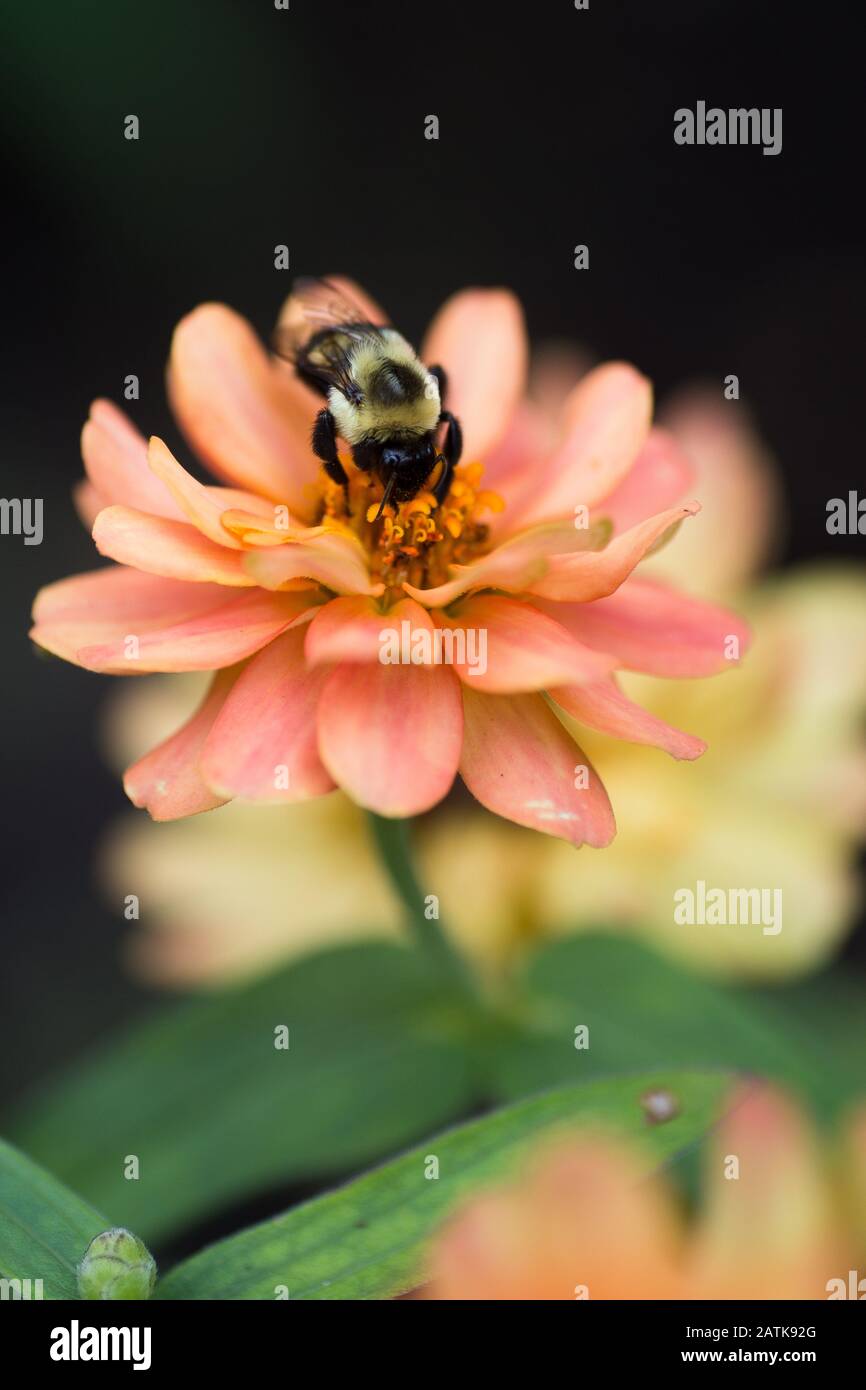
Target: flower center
{"points": [[414, 542]]}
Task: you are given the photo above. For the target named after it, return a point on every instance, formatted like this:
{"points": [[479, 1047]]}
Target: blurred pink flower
{"points": [[271, 585]]}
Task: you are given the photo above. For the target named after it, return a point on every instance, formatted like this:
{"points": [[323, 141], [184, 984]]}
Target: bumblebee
{"points": [[381, 399]]}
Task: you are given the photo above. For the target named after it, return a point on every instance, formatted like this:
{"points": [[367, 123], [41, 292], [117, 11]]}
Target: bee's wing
{"points": [[317, 305], [318, 326]]}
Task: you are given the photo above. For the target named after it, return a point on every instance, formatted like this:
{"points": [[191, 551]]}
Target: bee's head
{"points": [[409, 464]]}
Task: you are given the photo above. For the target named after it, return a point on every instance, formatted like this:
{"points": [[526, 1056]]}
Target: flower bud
{"points": [[116, 1265]]}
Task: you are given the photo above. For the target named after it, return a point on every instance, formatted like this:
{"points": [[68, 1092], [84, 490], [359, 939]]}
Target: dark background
{"points": [[305, 127]]}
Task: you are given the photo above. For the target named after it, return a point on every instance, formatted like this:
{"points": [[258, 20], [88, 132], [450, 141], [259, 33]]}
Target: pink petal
{"points": [[479, 337], [516, 563], [108, 603], [740, 489], [203, 506], [332, 558], [167, 782], [513, 467], [242, 412], [515, 460], [390, 735], [606, 421], [525, 649], [227, 634], [263, 745], [557, 366], [171, 548], [595, 574], [651, 628], [88, 502], [521, 763], [350, 629], [780, 1230], [115, 459], [660, 476], [603, 706]]}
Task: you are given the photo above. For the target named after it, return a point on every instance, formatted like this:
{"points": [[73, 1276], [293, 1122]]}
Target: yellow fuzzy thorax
{"points": [[369, 421], [415, 542]]}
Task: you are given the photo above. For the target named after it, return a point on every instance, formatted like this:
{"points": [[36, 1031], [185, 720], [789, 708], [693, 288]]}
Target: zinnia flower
{"points": [[272, 584], [586, 1223], [777, 800]]}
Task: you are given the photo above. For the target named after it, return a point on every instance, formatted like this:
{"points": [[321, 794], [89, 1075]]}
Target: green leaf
{"points": [[828, 1011], [369, 1238], [214, 1111], [44, 1228], [642, 1009]]}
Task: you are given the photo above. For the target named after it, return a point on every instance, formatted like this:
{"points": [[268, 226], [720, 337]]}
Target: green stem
{"points": [[394, 842]]}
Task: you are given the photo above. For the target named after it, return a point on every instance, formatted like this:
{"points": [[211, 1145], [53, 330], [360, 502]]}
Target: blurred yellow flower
{"points": [[778, 801], [585, 1222], [226, 894]]}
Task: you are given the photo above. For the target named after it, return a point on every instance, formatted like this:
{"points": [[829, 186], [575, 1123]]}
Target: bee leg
{"points": [[442, 381], [440, 490], [325, 448], [452, 448]]}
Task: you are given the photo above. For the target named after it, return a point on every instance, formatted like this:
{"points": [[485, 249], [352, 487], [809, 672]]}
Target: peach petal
{"points": [[240, 411], [258, 528], [115, 460], [105, 604], [651, 628], [390, 734], [521, 763], [661, 475], [350, 629], [335, 559], [583, 578], [603, 706], [261, 511], [516, 563], [171, 548], [853, 1169], [167, 781], [233, 630], [585, 1214], [346, 629], [606, 420], [203, 506], [263, 745], [769, 1233], [111, 593], [525, 649], [479, 337]]}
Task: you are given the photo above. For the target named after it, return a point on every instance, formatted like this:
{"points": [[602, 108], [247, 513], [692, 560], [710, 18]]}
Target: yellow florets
{"points": [[415, 542]]}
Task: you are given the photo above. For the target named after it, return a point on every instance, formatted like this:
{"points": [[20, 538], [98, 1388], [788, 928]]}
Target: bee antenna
{"points": [[389, 488]]}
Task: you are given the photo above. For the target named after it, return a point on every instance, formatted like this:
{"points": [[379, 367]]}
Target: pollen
{"points": [[414, 542]]}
